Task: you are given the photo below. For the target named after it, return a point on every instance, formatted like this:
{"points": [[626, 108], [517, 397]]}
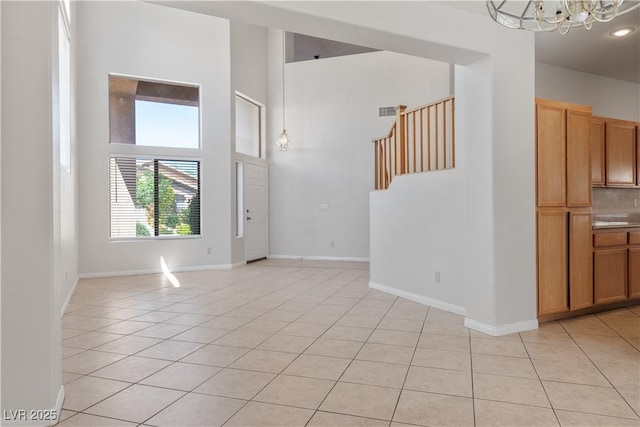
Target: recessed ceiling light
{"points": [[621, 32]]}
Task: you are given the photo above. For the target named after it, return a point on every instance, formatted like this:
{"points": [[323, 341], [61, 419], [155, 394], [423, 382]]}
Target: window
{"points": [[249, 126], [239, 199], [64, 87], [146, 113], [151, 192], [153, 197]]}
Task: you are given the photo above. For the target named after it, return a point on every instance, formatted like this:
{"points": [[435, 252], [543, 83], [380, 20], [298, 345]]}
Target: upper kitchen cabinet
{"points": [[551, 154], [563, 154], [620, 147], [578, 158], [597, 150]]}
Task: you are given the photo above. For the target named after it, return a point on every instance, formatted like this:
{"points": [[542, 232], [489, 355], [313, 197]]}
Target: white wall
{"points": [[418, 228], [608, 97], [68, 268], [249, 76], [31, 357], [331, 117], [152, 41]]}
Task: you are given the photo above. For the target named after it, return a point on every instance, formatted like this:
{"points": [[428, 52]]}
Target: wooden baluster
{"points": [[437, 155], [453, 134], [444, 135], [428, 138], [376, 175], [401, 156], [421, 143], [413, 125]]}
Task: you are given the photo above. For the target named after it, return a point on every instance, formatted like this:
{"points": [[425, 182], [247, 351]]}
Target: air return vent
{"points": [[386, 111]]}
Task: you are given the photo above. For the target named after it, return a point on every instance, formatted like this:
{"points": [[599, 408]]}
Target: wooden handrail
{"points": [[420, 140]]}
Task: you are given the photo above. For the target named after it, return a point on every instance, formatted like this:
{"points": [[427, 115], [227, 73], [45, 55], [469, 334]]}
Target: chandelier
{"points": [[560, 15]]}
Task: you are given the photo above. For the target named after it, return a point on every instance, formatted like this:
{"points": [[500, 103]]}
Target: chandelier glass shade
{"points": [[283, 140], [556, 15]]}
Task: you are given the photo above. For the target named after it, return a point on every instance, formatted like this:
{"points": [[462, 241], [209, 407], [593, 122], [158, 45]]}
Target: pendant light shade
{"points": [[283, 140]]}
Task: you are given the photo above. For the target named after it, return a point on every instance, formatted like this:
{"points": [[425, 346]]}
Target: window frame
{"points": [[262, 147], [152, 153], [64, 114]]}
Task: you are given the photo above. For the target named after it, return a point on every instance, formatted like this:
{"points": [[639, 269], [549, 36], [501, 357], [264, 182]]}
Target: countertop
{"points": [[617, 220]]}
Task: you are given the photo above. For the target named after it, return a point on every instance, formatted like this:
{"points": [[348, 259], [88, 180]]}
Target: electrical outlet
{"points": [[208, 251], [437, 277], [332, 244]]}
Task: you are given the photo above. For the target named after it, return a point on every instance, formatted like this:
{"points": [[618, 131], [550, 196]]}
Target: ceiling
{"points": [[593, 51], [305, 48]]}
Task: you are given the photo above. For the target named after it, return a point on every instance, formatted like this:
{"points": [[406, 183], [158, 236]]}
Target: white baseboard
{"points": [[238, 264], [158, 270], [68, 299], [318, 258], [500, 330], [419, 298]]}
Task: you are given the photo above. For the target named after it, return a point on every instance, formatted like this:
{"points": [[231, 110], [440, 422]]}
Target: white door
{"points": [[255, 215]]}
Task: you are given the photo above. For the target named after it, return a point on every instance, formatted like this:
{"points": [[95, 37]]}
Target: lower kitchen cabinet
{"points": [[553, 287], [610, 275], [634, 272], [580, 261]]}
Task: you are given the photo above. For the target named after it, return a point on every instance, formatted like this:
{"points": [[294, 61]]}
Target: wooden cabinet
{"points": [[620, 153], [610, 275], [597, 150], [552, 261], [578, 158], [551, 154], [614, 238], [638, 153], [616, 255], [634, 272], [563, 195], [580, 261]]}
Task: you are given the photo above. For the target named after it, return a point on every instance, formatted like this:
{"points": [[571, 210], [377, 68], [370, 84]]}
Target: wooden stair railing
{"points": [[422, 139]]}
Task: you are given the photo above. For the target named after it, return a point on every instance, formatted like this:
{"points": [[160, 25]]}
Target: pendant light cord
{"points": [[284, 61]]}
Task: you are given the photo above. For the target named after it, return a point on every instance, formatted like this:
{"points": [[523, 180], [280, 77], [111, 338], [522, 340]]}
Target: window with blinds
{"points": [[150, 194], [154, 197]]}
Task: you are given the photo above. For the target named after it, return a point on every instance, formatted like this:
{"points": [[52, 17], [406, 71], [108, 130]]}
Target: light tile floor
{"points": [[287, 343]]}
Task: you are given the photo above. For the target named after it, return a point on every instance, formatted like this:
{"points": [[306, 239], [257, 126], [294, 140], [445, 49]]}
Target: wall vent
{"points": [[386, 111]]}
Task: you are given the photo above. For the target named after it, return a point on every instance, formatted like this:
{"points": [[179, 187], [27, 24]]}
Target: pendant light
{"points": [[283, 138]]}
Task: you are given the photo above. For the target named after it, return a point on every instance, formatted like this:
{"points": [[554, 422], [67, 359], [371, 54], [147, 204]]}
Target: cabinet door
{"points": [[610, 275], [580, 261], [553, 287], [638, 153], [597, 151], [620, 146], [578, 159], [634, 272], [551, 155]]}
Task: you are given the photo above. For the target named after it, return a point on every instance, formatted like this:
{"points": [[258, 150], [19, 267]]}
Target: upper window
{"points": [[64, 89], [249, 127], [147, 113]]}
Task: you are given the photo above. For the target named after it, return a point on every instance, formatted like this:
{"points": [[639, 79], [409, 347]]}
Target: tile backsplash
{"points": [[615, 200]]}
